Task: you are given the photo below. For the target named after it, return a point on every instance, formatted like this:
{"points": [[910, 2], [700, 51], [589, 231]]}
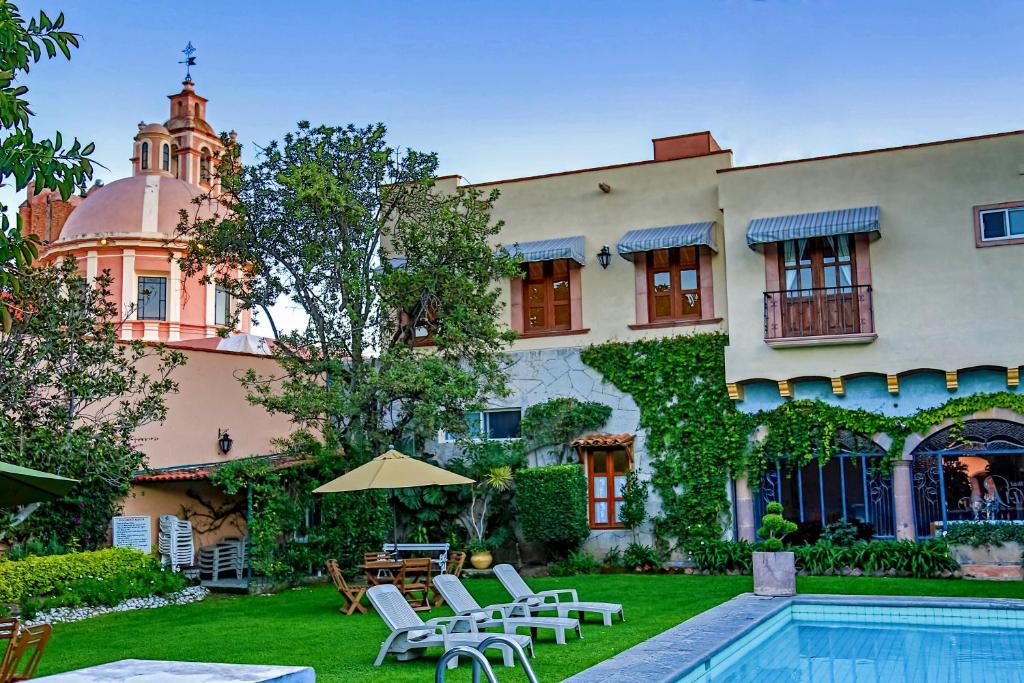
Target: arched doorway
{"points": [[850, 485], [981, 476]]}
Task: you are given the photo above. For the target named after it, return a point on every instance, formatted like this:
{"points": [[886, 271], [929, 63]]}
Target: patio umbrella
{"points": [[21, 486], [393, 470]]}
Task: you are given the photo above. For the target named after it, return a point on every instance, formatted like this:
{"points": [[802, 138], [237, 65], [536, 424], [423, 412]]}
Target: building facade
{"points": [[883, 280]]}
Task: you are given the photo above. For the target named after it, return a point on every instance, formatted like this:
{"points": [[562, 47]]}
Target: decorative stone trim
{"points": [[64, 615]]}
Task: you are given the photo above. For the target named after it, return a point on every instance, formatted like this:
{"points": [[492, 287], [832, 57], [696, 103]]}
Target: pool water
{"points": [[850, 644]]}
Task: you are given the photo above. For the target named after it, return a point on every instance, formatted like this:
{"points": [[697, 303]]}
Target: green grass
{"points": [[303, 626]]}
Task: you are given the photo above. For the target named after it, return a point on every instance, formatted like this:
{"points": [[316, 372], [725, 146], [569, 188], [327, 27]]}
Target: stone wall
{"points": [[537, 376]]}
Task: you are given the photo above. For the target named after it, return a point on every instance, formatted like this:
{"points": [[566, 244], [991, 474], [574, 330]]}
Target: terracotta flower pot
{"points": [[481, 560]]}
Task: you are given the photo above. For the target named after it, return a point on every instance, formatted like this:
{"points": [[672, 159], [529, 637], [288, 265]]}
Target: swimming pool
{"points": [[860, 644], [838, 639]]}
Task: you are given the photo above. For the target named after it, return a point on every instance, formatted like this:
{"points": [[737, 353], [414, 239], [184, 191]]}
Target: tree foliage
{"points": [[353, 233], [23, 158], [73, 396]]}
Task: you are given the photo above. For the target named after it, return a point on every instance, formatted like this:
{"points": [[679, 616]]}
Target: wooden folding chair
{"points": [[28, 650], [352, 594], [415, 578], [8, 635], [456, 559]]}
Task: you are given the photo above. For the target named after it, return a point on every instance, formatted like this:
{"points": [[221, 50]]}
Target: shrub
{"points": [[722, 556], [35, 576], [552, 503], [977, 534], [905, 558], [640, 556], [774, 527], [94, 591], [613, 558], [580, 562]]}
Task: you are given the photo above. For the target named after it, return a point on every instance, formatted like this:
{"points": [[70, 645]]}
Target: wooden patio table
{"points": [[411, 577], [373, 570]]}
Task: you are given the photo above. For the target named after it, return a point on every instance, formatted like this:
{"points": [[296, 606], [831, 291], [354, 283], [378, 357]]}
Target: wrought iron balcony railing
{"points": [[818, 312]]}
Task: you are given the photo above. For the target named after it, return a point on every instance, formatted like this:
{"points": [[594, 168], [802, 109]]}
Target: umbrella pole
{"points": [[394, 520]]}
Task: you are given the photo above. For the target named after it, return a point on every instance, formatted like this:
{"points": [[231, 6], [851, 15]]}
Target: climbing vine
{"points": [[696, 439], [557, 421]]}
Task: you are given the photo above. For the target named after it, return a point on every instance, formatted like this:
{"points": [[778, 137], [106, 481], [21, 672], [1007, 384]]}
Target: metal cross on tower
{"points": [[189, 61]]}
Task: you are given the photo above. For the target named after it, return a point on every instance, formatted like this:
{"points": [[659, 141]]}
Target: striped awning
{"points": [[820, 224], [668, 237], [549, 250]]}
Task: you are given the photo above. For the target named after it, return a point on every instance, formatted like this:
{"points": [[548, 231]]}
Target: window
{"points": [[1001, 224], [204, 166], [165, 162], [673, 287], [152, 298], [546, 303], [144, 156], [606, 472], [490, 424], [175, 171], [197, 109], [818, 262], [222, 306]]}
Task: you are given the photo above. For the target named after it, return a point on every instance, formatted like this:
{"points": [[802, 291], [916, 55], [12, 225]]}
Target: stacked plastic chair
{"points": [[175, 542], [226, 556]]}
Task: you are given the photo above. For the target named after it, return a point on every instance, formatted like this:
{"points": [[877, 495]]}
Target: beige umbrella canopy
{"points": [[393, 470]]}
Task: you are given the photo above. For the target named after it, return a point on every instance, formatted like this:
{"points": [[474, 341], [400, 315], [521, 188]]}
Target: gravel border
{"points": [[65, 615]]}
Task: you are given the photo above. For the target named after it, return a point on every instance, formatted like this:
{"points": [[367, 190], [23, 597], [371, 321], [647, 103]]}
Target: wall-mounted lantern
{"points": [[224, 441], [604, 257]]}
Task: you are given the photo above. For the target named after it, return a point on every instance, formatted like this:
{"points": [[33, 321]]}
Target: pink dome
{"points": [[143, 204]]}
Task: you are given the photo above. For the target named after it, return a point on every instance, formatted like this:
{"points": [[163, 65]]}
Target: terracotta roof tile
{"points": [[199, 472], [603, 440]]}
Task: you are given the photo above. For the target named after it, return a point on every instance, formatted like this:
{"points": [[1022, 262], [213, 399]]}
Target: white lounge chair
{"points": [[509, 616], [410, 635], [551, 601]]}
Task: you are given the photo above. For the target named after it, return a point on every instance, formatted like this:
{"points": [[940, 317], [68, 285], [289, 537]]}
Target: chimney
{"points": [[684, 146]]}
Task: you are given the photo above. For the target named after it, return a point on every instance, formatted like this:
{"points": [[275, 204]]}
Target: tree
{"points": [[22, 157], [355, 234], [73, 396]]}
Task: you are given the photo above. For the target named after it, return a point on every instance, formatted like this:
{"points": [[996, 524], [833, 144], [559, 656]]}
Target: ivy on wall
{"points": [[557, 421], [696, 438]]}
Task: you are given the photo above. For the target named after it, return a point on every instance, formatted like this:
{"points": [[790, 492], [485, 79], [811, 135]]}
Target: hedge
{"points": [[36, 576], [552, 503]]}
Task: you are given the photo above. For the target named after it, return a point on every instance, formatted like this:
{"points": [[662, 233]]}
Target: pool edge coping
{"points": [[660, 658]]}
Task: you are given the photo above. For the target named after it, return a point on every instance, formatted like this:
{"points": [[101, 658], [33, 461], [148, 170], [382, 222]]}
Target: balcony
{"points": [[823, 315]]}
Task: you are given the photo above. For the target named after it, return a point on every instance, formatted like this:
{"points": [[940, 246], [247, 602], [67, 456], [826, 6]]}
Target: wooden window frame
{"points": [[609, 454], [818, 264], [677, 264], [520, 309]]}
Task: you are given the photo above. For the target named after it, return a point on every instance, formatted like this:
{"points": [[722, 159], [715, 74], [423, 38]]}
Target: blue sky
{"points": [[502, 90]]}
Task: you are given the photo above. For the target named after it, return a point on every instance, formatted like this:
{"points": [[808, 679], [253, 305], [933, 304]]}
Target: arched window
{"points": [[204, 166], [197, 110], [175, 170], [165, 163], [144, 156]]}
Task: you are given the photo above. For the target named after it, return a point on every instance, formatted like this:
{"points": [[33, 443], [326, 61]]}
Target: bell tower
{"points": [[195, 145]]}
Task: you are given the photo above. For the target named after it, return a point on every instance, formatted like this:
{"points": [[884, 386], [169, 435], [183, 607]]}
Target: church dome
{"points": [[139, 205], [153, 128]]}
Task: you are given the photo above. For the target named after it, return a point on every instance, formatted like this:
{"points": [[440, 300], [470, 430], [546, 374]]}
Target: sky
{"points": [[502, 90]]}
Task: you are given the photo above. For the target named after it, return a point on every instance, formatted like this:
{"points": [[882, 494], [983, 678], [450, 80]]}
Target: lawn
{"points": [[303, 626]]}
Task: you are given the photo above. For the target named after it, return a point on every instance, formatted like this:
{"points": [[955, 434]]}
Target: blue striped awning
{"points": [[820, 224], [668, 237], [549, 250]]}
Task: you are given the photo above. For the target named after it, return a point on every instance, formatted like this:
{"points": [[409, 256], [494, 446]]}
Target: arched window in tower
{"points": [[197, 110], [165, 162], [204, 166], [175, 171], [144, 156]]}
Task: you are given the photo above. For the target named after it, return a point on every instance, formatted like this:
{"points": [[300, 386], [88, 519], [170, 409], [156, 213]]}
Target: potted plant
{"points": [[774, 569], [480, 554], [490, 484]]}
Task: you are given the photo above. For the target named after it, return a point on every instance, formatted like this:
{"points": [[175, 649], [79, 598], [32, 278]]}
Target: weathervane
{"points": [[189, 61]]}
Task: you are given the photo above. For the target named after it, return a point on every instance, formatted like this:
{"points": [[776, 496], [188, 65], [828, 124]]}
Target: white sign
{"points": [[133, 532]]}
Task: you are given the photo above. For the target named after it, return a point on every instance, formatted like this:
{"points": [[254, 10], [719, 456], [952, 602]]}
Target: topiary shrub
{"points": [[552, 504], [774, 527]]}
